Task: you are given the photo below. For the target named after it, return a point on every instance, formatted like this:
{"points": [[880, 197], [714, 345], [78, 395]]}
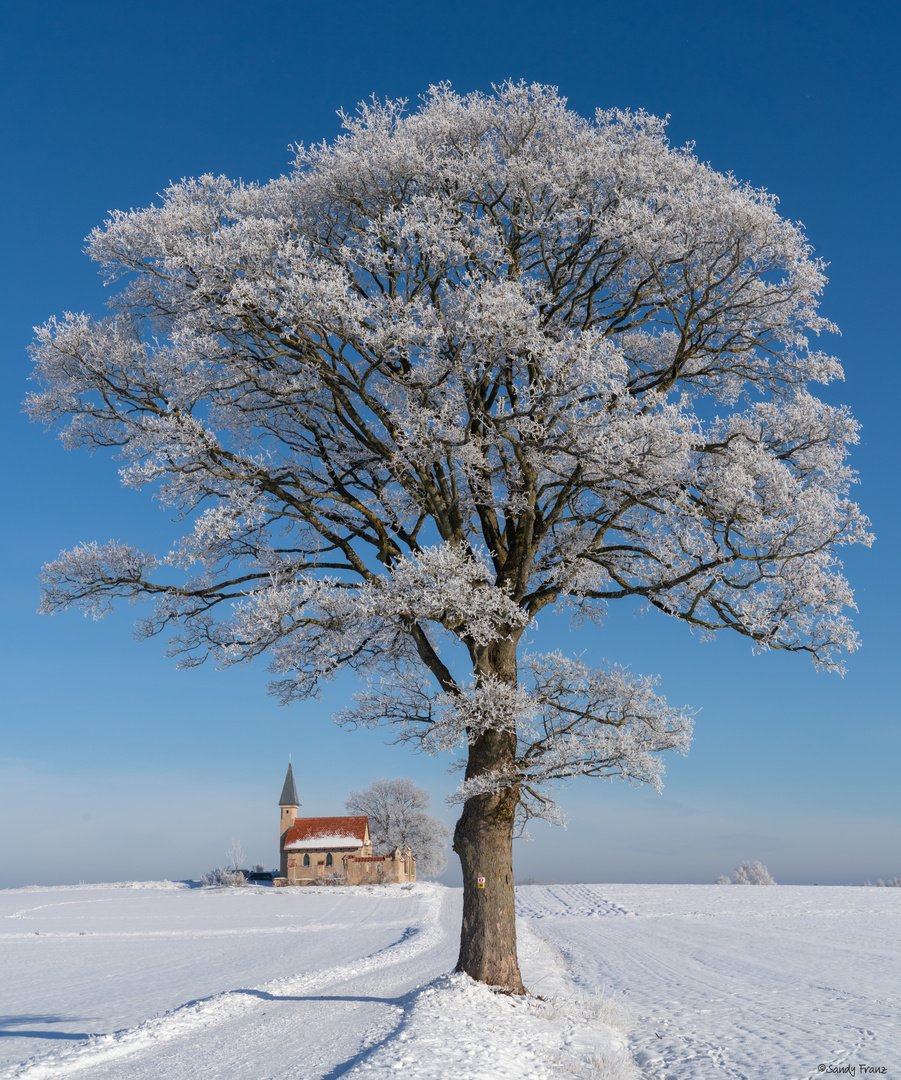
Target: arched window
{"points": [[306, 860], [328, 859]]}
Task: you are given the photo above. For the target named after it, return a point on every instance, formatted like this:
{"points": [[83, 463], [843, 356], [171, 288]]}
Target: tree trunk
{"points": [[483, 839]]}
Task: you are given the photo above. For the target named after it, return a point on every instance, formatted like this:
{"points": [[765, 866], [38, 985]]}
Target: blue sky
{"points": [[113, 764]]}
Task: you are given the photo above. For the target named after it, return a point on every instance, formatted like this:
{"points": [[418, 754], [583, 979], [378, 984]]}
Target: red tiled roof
{"points": [[310, 828]]}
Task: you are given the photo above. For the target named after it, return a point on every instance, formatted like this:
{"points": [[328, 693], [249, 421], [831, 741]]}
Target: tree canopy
{"points": [[397, 818], [465, 363]]}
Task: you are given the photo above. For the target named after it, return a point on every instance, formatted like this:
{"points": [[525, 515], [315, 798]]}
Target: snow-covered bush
{"points": [[751, 873], [892, 883], [606, 1063], [613, 1065], [333, 879], [223, 877], [748, 873]]}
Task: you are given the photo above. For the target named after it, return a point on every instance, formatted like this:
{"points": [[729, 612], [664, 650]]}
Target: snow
{"points": [[738, 981], [144, 980], [320, 843]]}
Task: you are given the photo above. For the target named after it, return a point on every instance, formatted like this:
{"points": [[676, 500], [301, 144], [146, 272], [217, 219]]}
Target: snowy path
{"points": [[148, 983], [357, 1002], [738, 982]]}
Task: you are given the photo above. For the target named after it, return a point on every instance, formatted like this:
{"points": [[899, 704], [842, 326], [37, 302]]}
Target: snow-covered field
{"points": [[160, 980]]}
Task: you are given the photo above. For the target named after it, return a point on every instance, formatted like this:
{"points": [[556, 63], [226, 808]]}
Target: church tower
{"points": [[289, 806]]}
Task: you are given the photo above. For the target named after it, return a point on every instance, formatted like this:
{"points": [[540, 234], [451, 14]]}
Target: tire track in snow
{"points": [[748, 989], [194, 1017], [565, 900], [250, 931], [26, 912]]}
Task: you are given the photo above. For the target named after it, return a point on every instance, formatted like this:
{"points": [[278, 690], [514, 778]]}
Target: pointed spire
{"points": [[289, 791]]}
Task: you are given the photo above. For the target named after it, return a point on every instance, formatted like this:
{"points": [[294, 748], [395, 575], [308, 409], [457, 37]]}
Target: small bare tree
{"points": [[235, 855], [465, 365]]}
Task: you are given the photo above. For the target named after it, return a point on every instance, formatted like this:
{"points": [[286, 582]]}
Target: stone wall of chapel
{"points": [[357, 867], [297, 873]]}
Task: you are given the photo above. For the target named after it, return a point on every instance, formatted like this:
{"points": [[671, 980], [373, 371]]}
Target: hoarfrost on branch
{"points": [[465, 363]]}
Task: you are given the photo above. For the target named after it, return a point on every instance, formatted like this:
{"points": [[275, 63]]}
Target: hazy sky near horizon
{"points": [[114, 765]]}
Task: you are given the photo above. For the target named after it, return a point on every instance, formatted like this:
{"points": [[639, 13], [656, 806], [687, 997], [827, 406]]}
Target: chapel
{"points": [[319, 849]]}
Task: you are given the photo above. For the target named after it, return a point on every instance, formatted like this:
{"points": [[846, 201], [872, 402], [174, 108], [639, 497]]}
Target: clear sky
{"points": [[113, 764]]}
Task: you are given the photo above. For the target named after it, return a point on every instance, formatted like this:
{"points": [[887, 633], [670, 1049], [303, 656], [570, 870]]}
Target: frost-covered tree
{"points": [[397, 818], [235, 855], [463, 365], [750, 873]]}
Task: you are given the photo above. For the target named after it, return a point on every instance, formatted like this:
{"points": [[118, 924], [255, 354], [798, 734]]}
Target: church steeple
{"points": [[289, 805], [289, 791]]}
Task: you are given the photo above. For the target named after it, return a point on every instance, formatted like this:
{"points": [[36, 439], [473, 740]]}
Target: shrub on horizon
{"points": [[748, 873], [223, 877]]}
